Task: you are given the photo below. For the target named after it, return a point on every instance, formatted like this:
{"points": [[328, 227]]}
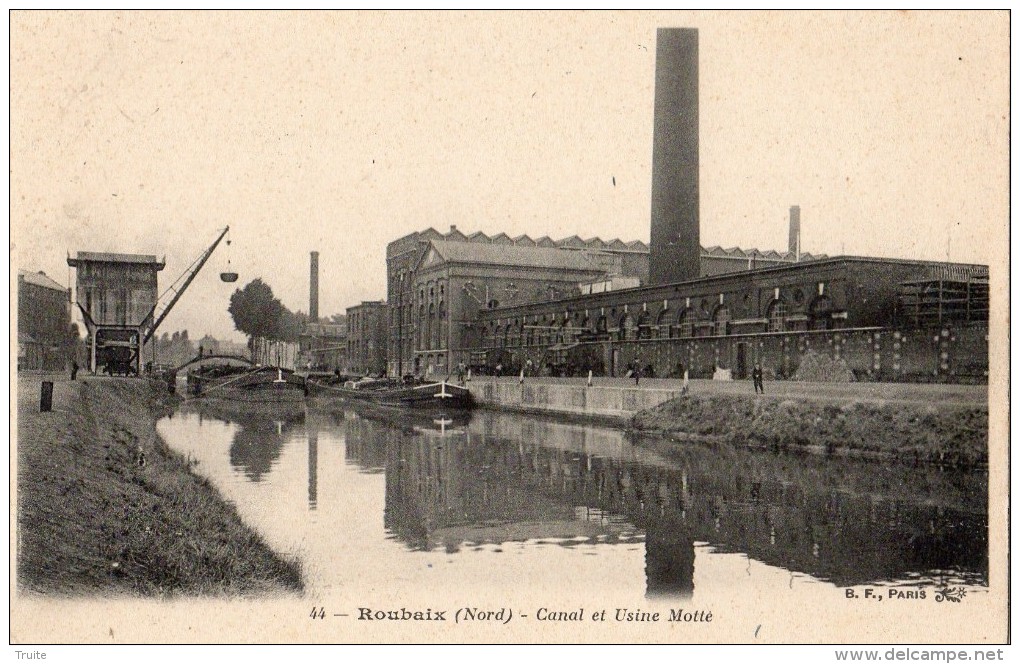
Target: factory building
{"points": [[718, 312], [366, 339], [44, 323], [323, 347], [438, 282], [673, 307], [869, 313]]}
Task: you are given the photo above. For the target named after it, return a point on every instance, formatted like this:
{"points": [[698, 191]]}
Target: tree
{"points": [[257, 312], [292, 324]]}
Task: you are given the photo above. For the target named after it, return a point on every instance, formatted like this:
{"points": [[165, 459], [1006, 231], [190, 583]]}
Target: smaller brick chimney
{"points": [[794, 246]]}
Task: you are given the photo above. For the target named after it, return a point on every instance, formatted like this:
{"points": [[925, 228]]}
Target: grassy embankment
{"points": [[947, 434], [105, 507]]}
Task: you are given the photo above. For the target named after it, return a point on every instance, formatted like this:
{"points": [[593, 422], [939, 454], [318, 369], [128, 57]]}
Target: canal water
{"points": [[508, 507]]}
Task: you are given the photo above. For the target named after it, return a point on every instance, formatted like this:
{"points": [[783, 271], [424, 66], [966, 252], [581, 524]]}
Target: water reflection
{"points": [[258, 442], [844, 521], [481, 482]]}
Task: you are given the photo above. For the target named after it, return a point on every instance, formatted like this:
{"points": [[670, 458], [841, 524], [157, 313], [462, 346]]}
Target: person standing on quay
{"points": [[74, 369], [756, 376]]}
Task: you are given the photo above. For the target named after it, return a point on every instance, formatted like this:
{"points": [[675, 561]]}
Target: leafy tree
{"points": [[256, 311], [292, 324]]}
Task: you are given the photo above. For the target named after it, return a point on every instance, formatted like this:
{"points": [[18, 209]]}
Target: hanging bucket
{"points": [[228, 277]]}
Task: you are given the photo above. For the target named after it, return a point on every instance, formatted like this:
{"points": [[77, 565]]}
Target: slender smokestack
{"points": [[313, 289], [794, 229], [675, 248]]}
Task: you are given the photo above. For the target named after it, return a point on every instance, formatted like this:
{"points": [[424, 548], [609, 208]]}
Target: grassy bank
{"points": [[954, 435], [105, 507]]}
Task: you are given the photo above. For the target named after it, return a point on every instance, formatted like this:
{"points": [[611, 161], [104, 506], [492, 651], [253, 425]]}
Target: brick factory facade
{"points": [[438, 282], [44, 322], [841, 307], [366, 338], [434, 297]]}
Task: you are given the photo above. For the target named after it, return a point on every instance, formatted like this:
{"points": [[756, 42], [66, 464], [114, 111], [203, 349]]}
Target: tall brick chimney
{"points": [[675, 248], [313, 288]]}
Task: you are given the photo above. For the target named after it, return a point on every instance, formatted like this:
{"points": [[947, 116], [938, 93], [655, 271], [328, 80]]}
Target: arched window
{"points": [[777, 316], [628, 328], [661, 329], [444, 324], [430, 328], [685, 323], [644, 326], [507, 335], [419, 329], [721, 320]]}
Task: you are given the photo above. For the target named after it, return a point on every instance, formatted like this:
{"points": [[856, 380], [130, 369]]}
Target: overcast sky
{"points": [[147, 132]]}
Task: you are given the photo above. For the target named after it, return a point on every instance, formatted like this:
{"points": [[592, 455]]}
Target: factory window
{"points": [[644, 326], [685, 324], [661, 329], [443, 324], [777, 316], [628, 329], [419, 328], [820, 313], [433, 329], [721, 320], [507, 337]]}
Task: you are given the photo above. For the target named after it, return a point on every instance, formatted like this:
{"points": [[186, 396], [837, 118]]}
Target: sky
{"points": [[149, 132]]}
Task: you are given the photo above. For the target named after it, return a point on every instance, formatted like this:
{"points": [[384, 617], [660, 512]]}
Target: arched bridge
{"points": [[197, 363]]}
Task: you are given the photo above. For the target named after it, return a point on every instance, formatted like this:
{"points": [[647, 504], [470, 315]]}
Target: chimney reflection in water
{"points": [[313, 464]]}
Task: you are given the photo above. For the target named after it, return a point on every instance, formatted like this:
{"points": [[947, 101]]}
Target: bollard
{"points": [[46, 398]]}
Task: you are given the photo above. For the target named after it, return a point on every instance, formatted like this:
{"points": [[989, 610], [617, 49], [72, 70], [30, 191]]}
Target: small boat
{"points": [[259, 385], [441, 396]]}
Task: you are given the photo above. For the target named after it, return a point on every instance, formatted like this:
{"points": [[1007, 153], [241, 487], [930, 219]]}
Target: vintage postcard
{"points": [[512, 328]]}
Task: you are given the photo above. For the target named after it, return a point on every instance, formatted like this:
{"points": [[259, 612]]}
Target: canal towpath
{"points": [[105, 506]]}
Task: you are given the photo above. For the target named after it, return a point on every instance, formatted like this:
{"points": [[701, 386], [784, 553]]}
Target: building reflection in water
{"points": [[313, 466], [502, 478]]}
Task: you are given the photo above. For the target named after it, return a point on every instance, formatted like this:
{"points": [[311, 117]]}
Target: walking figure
{"points": [[74, 369], [756, 376]]}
